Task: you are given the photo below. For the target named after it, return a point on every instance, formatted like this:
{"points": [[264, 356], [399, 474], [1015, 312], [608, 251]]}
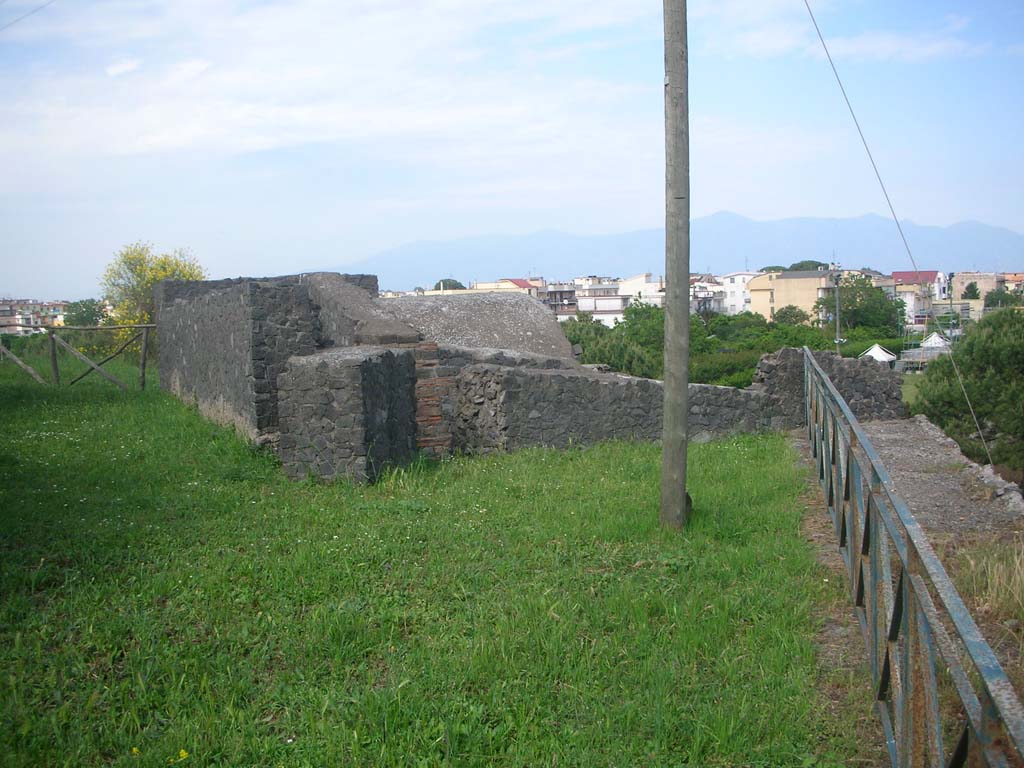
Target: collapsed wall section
{"points": [[503, 408], [347, 412]]}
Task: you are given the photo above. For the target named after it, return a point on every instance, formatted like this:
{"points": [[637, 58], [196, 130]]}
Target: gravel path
{"points": [[948, 493]]}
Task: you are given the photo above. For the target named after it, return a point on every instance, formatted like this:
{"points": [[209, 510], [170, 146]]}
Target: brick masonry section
{"points": [[435, 392]]}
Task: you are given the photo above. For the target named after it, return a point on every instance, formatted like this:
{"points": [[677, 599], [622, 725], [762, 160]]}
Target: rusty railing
{"points": [[941, 694]]}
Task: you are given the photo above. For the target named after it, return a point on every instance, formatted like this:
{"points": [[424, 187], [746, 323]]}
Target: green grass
{"points": [[164, 588], [910, 385]]}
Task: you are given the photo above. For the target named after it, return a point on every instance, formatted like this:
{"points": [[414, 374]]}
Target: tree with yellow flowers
{"points": [[128, 283], [128, 280]]}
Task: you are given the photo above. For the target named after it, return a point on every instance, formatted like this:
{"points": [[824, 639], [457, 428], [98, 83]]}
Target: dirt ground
{"points": [[948, 493], [844, 677]]}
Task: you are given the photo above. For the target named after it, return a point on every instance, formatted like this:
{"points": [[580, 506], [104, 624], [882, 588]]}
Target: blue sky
{"points": [[272, 137]]}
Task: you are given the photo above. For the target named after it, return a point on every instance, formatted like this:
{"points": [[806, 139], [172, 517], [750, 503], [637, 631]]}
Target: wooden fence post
{"points": [[24, 366], [90, 363], [54, 370], [142, 358]]}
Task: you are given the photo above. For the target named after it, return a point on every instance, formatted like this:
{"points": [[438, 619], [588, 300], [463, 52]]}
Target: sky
{"points": [[270, 137]]}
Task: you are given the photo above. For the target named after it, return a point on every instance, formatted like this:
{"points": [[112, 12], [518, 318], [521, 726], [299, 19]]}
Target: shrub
{"points": [[791, 315], [725, 368], [991, 361]]}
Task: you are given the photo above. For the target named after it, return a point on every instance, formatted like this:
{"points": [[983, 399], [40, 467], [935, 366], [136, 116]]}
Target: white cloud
{"points": [[122, 67], [314, 71], [765, 28], [947, 42], [187, 70], [883, 46]]}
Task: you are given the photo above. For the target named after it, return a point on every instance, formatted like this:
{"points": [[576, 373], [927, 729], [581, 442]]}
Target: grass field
{"points": [[910, 384], [167, 596]]}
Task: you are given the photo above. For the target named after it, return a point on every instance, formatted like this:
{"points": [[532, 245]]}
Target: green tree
{"points": [[1002, 298], [862, 305], [449, 284], [791, 315], [808, 265], [991, 361], [772, 268], [85, 312], [585, 331], [970, 291], [129, 279]]}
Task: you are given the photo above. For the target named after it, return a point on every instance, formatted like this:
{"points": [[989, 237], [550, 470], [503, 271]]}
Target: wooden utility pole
{"points": [[675, 502]]}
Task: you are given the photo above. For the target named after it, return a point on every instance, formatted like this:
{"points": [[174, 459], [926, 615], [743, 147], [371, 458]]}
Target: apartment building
{"points": [[737, 295], [919, 292], [774, 290], [38, 314]]}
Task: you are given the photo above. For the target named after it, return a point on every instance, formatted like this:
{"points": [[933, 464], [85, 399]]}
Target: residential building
{"points": [[774, 290], [645, 288], [986, 282], [561, 297], [919, 290], [706, 295], [599, 297], [1013, 281], [737, 296], [534, 286], [30, 312]]}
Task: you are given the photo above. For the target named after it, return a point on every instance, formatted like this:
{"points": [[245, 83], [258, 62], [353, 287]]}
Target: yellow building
{"points": [[775, 290]]}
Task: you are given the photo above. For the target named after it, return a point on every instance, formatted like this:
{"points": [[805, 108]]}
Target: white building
{"points": [[706, 295], [919, 291], [644, 288], [737, 297], [604, 298]]}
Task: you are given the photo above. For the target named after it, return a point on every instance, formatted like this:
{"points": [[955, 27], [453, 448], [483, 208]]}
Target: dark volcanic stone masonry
{"points": [[343, 383], [504, 408], [872, 390], [347, 412]]}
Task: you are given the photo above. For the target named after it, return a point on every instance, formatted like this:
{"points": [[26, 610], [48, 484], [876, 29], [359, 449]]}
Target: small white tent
{"points": [[879, 353], [935, 340]]}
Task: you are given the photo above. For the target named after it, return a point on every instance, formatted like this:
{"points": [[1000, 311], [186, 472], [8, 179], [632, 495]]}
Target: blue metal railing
{"points": [[893, 575]]}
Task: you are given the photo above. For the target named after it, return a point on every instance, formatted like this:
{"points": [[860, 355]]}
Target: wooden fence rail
{"points": [[56, 341]]}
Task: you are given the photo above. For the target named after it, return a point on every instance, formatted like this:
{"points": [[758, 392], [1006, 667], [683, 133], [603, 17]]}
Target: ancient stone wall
{"points": [[503, 408], [350, 313], [347, 412], [205, 349], [285, 323], [872, 390], [249, 353]]}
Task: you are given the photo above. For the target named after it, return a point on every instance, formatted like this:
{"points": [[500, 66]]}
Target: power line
{"points": [[892, 210], [24, 16]]}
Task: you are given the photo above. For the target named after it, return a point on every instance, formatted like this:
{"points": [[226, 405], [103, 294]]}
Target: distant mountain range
{"points": [[720, 243]]}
